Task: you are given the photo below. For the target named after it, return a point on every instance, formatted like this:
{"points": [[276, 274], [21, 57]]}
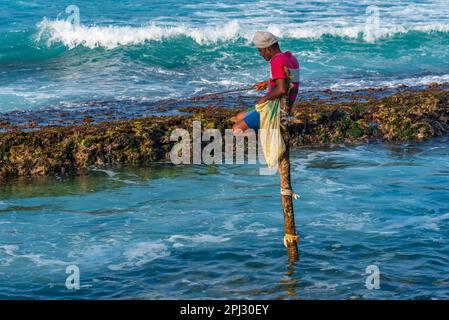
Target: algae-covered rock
{"points": [[69, 150]]}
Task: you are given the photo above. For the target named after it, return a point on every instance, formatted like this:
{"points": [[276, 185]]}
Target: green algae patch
{"points": [[403, 117], [70, 150]]}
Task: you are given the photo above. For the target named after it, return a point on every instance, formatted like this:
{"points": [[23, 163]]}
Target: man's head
{"points": [[267, 43]]}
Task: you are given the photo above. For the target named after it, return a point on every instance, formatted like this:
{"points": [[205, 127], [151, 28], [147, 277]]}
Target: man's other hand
{"points": [[260, 85]]}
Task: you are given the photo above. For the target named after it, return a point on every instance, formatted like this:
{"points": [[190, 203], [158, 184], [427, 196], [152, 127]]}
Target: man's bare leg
{"points": [[239, 117]]}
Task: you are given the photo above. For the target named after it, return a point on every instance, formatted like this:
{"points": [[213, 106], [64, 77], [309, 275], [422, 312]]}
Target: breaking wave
{"points": [[110, 37]]}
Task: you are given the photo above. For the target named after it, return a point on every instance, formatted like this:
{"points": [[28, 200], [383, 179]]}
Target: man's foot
{"points": [[239, 128]]}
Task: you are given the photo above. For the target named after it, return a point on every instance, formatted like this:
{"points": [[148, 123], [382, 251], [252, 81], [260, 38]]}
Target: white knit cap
{"points": [[264, 39]]}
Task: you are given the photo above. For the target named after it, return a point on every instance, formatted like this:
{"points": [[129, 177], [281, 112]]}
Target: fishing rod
{"points": [[253, 87], [258, 86], [220, 93]]}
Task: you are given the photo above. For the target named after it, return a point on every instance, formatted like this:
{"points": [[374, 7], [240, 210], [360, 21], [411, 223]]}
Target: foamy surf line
{"points": [[110, 37], [366, 84]]}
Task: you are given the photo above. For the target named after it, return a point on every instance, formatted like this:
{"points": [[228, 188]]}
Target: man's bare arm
{"points": [[279, 90], [262, 85]]}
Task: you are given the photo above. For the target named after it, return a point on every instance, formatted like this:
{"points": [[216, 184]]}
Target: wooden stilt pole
{"points": [[291, 239]]}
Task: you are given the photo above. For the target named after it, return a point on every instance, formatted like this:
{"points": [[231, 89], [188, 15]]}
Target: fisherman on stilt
{"points": [[283, 89], [269, 49]]}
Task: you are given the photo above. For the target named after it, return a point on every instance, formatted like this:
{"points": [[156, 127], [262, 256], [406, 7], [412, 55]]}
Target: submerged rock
{"points": [[68, 150]]}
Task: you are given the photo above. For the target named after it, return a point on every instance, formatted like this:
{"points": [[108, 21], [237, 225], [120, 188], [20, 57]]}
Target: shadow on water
{"points": [[288, 286], [290, 282]]}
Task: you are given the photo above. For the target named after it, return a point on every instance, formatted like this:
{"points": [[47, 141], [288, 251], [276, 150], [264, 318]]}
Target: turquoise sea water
{"points": [[216, 231], [150, 50]]}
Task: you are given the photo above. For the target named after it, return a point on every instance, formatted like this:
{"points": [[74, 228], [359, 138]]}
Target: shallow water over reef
{"points": [[216, 231]]}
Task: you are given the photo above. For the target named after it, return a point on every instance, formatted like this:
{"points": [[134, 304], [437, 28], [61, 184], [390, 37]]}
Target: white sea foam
{"points": [[259, 229], [199, 238], [110, 37], [27, 95], [37, 259], [420, 222], [225, 82], [145, 252], [141, 254], [113, 36], [412, 81], [110, 173], [353, 32]]}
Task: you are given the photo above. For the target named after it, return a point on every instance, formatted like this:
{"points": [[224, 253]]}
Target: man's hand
{"points": [[260, 85], [279, 90]]}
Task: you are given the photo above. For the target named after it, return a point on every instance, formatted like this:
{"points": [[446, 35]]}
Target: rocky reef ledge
{"points": [[410, 115]]}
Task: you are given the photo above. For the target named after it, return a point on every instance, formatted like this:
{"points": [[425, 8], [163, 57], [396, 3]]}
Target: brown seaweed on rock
{"points": [[70, 150], [412, 116]]}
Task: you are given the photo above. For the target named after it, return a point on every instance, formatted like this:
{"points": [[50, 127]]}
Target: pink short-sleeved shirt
{"points": [[277, 72]]}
